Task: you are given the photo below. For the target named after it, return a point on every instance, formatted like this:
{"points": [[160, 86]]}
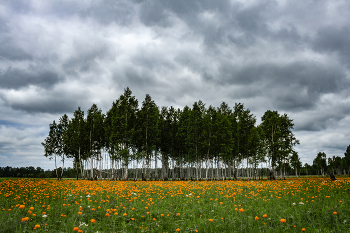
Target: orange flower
{"points": [[210, 220], [21, 206], [283, 220], [25, 219], [76, 229], [92, 220], [31, 208], [256, 218], [107, 214], [162, 215], [241, 210], [37, 226], [80, 231], [132, 219], [34, 215], [178, 214], [303, 229], [178, 229], [80, 213], [154, 219], [334, 212], [125, 214], [265, 216], [64, 204]]}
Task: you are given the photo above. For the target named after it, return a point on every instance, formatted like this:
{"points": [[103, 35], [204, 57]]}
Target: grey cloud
{"points": [[12, 52], [152, 14], [48, 104], [15, 78], [106, 12], [333, 39], [292, 86]]}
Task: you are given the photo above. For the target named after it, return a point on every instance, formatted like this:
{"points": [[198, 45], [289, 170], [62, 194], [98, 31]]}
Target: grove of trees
{"points": [[194, 142]]}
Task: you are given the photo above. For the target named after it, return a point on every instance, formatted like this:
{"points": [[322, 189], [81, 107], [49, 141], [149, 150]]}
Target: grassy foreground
{"points": [[294, 205]]}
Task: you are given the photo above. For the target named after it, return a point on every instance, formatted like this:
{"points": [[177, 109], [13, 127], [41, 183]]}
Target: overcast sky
{"points": [[289, 56]]}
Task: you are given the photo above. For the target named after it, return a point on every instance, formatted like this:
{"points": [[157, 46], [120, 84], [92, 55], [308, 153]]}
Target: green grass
{"points": [[156, 206]]}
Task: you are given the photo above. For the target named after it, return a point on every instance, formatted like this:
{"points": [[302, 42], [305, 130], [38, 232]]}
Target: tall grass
{"points": [[39, 205]]}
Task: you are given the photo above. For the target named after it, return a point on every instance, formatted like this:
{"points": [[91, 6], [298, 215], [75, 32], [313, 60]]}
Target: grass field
{"points": [[293, 205]]}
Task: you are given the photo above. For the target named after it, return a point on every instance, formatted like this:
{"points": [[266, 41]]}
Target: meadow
{"points": [[292, 205]]}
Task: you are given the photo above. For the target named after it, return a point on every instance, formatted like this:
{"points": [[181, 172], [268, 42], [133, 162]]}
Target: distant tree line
{"points": [[194, 142], [31, 172]]}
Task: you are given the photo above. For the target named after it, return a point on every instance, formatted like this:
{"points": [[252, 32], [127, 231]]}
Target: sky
{"points": [[287, 56]]}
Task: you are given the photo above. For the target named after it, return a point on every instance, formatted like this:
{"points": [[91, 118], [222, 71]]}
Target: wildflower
{"points": [[44, 216], [132, 219], [31, 208], [283, 220], [178, 214], [37, 226], [64, 204], [92, 220], [76, 229], [241, 210], [44, 212], [26, 219], [303, 229], [125, 214], [178, 229], [256, 218], [21, 206], [107, 215], [80, 213], [162, 215], [210, 220], [335, 212], [34, 215], [154, 219]]}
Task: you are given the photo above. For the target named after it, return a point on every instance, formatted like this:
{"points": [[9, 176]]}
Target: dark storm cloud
{"points": [[293, 86], [15, 78], [106, 12], [334, 39], [51, 105]]}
